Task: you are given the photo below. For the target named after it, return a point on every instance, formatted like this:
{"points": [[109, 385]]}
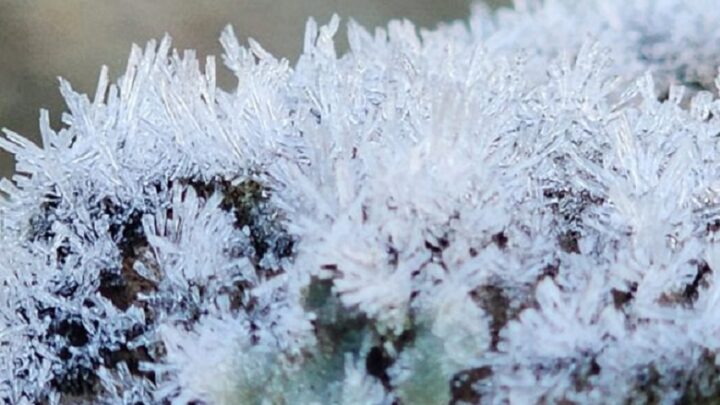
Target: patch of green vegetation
{"points": [[423, 380]]}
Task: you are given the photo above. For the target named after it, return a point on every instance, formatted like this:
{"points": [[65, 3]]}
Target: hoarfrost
{"points": [[523, 208]]}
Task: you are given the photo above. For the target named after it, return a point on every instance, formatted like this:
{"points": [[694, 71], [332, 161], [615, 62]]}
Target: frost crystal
{"points": [[521, 209]]}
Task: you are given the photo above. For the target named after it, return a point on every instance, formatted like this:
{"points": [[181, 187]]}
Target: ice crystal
{"points": [[523, 209]]}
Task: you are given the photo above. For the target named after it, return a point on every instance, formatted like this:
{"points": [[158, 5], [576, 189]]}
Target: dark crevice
{"points": [[123, 289], [648, 387], [438, 246], [462, 385], [41, 223], [713, 227], [568, 207], [496, 304], [551, 270], [131, 357], [68, 335], [585, 368], [500, 239], [71, 329], [687, 296], [66, 287], [62, 252], [132, 235], [377, 363], [621, 298], [122, 286], [239, 296], [692, 290], [76, 381], [569, 241]]}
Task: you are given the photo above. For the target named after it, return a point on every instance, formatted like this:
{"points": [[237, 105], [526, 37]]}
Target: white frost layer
{"points": [[558, 161]]}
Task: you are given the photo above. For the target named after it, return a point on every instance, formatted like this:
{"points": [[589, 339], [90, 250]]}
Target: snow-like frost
{"points": [[521, 208]]}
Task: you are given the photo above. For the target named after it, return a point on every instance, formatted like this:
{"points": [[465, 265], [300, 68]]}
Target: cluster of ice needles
{"points": [[523, 207]]}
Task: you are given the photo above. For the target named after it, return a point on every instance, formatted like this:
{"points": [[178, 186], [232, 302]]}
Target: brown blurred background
{"points": [[43, 39]]}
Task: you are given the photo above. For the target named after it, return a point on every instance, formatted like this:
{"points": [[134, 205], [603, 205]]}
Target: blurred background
{"points": [[43, 39]]}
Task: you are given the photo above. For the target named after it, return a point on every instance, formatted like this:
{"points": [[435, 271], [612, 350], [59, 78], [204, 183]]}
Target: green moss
{"points": [[426, 383], [319, 374], [339, 330]]}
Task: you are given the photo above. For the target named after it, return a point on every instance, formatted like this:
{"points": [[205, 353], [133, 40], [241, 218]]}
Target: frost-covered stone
{"points": [[524, 208]]}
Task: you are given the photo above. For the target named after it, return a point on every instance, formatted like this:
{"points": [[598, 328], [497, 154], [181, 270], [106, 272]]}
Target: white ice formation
{"points": [[520, 208]]}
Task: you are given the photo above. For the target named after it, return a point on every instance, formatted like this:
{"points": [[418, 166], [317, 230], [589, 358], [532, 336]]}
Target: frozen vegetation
{"points": [[523, 207]]}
